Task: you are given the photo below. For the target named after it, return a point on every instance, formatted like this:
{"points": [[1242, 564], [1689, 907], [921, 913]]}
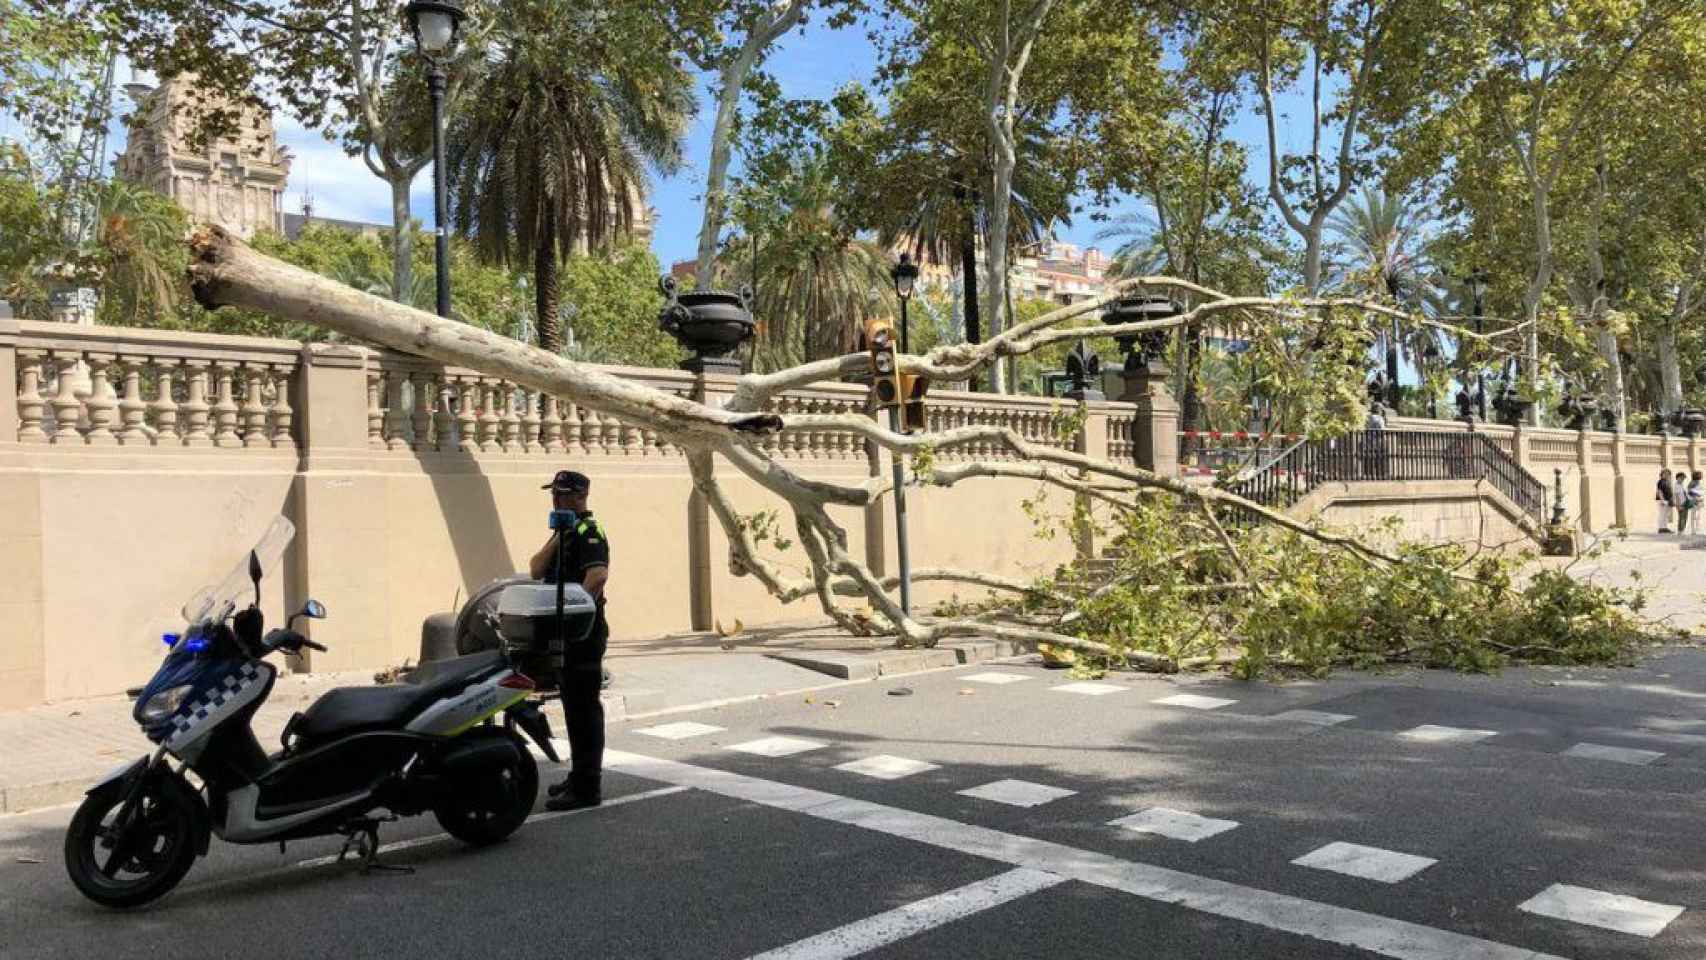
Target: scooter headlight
{"points": [[163, 704]]}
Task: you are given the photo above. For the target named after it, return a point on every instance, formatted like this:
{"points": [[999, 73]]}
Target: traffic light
{"points": [[912, 389], [885, 379]]}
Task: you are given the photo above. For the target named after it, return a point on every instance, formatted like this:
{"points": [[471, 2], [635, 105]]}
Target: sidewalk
{"points": [[54, 752]]}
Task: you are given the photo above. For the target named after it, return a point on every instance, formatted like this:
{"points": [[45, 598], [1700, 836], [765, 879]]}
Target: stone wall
{"points": [[136, 466]]}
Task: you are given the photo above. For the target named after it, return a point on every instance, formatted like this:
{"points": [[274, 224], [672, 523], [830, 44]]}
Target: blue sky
{"points": [[813, 63]]}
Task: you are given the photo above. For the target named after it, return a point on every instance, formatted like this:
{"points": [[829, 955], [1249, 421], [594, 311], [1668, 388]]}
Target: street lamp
{"points": [[905, 275], [436, 25], [1477, 284]]}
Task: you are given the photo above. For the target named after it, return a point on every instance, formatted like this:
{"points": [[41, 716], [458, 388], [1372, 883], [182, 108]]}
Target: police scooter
{"points": [[357, 757]]}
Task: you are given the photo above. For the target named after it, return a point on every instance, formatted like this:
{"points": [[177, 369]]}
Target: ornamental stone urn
{"points": [[711, 324]]}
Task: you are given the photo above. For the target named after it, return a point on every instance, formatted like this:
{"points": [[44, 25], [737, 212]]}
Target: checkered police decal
{"points": [[232, 691]]}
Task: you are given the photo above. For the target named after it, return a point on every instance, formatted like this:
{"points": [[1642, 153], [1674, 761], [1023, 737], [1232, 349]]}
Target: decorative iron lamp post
{"points": [[1084, 373], [1477, 284], [436, 25], [711, 323], [905, 275]]}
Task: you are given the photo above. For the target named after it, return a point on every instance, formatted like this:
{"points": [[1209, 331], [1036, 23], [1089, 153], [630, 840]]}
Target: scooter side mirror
{"points": [[255, 574], [314, 610]]}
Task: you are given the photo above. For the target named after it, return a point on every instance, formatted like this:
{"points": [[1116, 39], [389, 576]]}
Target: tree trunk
{"points": [[995, 257], [402, 239], [545, 294], [968, 271], [1670, 370], [717, 173], [1607, 342], [1191, 408]]}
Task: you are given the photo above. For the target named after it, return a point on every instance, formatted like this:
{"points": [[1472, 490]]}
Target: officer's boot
{"points": [[583, 790]]}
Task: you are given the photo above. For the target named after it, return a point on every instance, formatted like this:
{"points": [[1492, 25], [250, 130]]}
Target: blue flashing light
{"points": [[196, 644], [169, 639]]}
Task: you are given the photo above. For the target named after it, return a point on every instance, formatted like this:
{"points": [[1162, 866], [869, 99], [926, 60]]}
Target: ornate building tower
{"points": [[237, 181]]}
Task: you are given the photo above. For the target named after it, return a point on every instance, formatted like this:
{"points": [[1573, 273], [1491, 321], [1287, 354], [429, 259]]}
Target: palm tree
{"points": [[1379, 256], [815, 282], [551, 158], [138, 252]]}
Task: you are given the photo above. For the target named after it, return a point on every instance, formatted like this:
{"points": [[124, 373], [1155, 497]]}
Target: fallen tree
{"points": [[1313, 345]]}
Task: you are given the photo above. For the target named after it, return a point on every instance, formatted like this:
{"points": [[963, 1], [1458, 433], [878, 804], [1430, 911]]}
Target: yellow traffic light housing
{"points": [[912, 390], [885, 377]]}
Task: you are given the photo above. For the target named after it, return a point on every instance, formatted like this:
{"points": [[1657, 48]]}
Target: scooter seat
{"points": [[352, 709]]}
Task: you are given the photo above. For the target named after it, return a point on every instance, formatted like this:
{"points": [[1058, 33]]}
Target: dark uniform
{"points": [[586, 547]]}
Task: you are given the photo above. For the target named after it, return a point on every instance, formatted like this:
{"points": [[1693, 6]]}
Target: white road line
{"points": [[1089, 688], [1194, 701], [1431, 733], [1017, 793], [1368, 863], [680, 730], [870, 933], [1318, 717], [1599, 751], [1560, 901], [779, 746], [536, 818], [886, 767], [1276, 911], [1176, 824], [996, 678]]}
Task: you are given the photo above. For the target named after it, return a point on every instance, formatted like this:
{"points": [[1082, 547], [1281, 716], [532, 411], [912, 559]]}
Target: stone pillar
{"points": [[1155, 429], [9, 422], [1584, 462], [1092, 441], [1520, 445], [1620, 479], [339, 507]]}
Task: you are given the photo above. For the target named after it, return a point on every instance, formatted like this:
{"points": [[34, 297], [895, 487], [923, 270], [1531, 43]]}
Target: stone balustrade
{"points": [[79, 386]]}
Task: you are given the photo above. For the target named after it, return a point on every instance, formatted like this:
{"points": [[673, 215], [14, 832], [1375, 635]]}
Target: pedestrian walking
{"points": [[1695, 496], [1665, 497], [1679, 499], [586, 560], [1374, 440]]}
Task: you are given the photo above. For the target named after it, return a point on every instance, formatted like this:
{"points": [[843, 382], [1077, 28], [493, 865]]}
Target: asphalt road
{"points": [[1482, 827]]}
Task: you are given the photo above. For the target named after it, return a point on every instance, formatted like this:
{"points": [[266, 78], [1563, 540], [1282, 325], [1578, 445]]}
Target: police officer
{"points": [[586, 560]]}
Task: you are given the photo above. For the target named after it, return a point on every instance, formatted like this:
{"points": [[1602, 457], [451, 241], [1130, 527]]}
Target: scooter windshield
{"points": [[217, 601]]}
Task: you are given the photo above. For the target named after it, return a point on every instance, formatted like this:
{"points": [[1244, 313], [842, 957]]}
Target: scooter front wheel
{"points": [[127, 865]]}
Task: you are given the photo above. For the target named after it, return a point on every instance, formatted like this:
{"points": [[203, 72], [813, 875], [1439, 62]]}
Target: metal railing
{"points": [[1370, 456]]}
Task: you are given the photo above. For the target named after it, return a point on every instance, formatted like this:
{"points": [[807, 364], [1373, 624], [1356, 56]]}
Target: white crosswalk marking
{"points": [[1318, 717], [779, 746], [680, 730], [1431, 733], [1195, 701], [1376, 934], [1597, 908], [1177, 824], [1598, 751], [1089, 688], [1369, 863], [886, 767], [1017, 793], [995, 678], [866, 935]]}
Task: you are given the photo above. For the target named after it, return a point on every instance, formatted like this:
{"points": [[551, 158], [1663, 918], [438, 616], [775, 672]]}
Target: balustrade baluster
{"points": [[631, 446], [253, 410], [103, 402], [509, 425], [282, 416], [592, 430], [467, 416], [531, 421], [552, 425], [612, 434], [487, 426], [133, 411], [424, 383], [577, 429], [197, 411], [225, 405], [444, 419], [30, 402], [163, 406], [375, 415], [396, 422]]}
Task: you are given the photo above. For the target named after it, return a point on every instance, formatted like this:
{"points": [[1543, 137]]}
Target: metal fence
{"points": [[1391, 455]]}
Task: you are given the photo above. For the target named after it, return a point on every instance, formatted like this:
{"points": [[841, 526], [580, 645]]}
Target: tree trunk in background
{"points": [[968, 271], [1670, 370], [402, 240], [1190, 408], [545, 296], [1614, 389]]}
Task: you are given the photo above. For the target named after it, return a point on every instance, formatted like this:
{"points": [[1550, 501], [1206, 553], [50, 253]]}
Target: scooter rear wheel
{"points": [[489, 808], [160, 846]]}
